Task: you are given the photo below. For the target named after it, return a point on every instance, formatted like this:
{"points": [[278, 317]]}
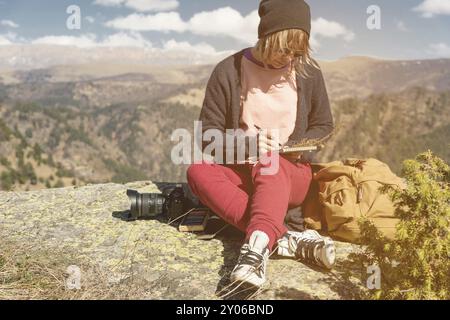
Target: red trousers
{"points": [[247, 199]]}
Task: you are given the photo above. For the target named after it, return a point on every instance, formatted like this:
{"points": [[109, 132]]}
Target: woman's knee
{"points": [[197, 171]]}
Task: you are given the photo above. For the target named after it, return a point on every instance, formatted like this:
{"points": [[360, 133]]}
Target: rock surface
{"points": [[167, 263]]}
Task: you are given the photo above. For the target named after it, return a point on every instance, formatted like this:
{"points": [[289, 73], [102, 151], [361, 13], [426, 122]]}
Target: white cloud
{"points": [[109, 3], [4, 41], [323, 28], [90, 19], [141, 5], [9, 23], [430, 8], [130, 40], [122, 39], [163, 21], [440, 49], [8, 39], [202, 47], [331, 29], [83, 41], [226, 22]]}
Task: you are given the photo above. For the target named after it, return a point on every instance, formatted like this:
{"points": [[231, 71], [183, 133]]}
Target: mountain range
{"points": [[111, 120]]}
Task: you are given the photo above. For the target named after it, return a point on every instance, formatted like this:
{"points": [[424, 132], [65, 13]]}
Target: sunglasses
{"points": [[288, 52]]}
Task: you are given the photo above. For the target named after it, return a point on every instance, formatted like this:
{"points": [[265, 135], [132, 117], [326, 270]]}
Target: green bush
{"points": [[29, 173], [5, 162], [62, 172], [37, 153], [124, 173], [7, 181], [19, 155], [29, 133], [416, 264], [75, 134], [5, 132], [59, 184], [55, 137], [50, 160]]}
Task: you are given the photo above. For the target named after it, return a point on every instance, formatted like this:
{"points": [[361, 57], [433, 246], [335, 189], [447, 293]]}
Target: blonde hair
{"points": [[294, 40]]}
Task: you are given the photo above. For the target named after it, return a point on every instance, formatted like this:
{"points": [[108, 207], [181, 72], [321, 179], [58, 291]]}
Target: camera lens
{"points": [[145, 204]]}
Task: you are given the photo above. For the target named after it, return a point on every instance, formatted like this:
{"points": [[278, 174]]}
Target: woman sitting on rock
{"points": [[273, 85]]}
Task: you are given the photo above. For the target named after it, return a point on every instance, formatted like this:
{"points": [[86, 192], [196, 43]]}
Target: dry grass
{"points": [[23, 276], [29, 273]]}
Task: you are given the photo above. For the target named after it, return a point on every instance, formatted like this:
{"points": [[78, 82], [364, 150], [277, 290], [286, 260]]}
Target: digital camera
{"points": [[172, 202]]}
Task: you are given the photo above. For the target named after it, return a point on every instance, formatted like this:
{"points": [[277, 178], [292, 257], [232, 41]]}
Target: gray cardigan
{"points": [[222, 105]]}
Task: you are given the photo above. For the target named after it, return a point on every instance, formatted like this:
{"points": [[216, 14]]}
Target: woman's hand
{"points": [[267, 143]]}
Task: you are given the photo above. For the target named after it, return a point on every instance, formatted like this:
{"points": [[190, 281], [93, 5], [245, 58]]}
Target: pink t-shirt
{"points": [[268, 98]]}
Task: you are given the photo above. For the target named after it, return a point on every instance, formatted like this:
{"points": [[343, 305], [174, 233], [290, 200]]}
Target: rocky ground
{"points": [[82, 227]]}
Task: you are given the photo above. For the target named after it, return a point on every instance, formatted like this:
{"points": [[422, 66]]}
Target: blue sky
{"points": [[410, 29]]}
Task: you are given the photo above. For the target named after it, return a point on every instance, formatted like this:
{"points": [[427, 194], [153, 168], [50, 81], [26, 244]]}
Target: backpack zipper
{"points": [[359, 193]]}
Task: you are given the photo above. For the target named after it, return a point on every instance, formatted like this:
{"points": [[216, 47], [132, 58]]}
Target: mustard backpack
{"points": [[344, 191]]}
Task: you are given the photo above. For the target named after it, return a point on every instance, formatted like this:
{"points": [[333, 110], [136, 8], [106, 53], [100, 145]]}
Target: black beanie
{"points": [[277, 15]]}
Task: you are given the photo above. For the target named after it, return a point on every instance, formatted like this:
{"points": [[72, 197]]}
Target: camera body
{"points": [[174, 205], [172, 202]]}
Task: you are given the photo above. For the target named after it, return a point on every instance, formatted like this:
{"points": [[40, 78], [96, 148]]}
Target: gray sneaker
{"points": [[308, 246], [251, 266]]}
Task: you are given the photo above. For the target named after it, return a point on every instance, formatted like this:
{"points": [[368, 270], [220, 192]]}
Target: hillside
{"points": [[94, 123], [362, 76], [392, 126]]}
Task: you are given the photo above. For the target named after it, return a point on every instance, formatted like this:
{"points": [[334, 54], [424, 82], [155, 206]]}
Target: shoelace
{"points": [[307, 249], [251, 258]]}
